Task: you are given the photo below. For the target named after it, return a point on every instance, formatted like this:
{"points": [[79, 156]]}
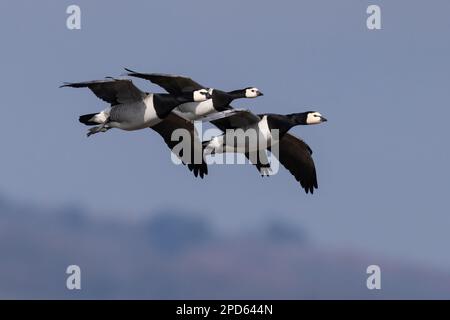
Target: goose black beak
{"points": [[323, 119], [259, 94]]}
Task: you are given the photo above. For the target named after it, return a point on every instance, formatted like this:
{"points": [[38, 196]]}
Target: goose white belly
{"points": [[195, 110], [134, 116]]}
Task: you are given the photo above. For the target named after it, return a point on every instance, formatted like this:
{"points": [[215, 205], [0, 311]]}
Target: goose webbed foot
{"points": [[265, 171], [94, 130]]}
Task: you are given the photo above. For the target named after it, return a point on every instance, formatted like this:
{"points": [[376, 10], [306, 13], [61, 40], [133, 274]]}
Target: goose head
{"points": [[252, 92], [201, 95], [306, 118], [249, 93], [314, 117]]}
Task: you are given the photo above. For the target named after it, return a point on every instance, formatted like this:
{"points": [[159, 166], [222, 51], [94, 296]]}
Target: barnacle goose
{"points": [[130, 108], [294, 154], [179, 85]]}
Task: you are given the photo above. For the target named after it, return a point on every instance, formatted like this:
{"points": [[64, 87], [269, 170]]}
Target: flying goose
{"points": [[179, 85], [130, 108], [294, 154]]}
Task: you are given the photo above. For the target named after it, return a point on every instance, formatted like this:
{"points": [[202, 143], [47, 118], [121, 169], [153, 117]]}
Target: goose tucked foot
{"points": [[265, 171], [103, 128]]}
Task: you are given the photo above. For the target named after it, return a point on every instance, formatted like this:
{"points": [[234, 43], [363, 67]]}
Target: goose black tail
{"points": [[88, 120]]}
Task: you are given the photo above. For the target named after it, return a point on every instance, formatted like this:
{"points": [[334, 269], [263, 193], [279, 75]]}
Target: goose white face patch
{"points": [[252, 92], [201, 95], [314, 118]]}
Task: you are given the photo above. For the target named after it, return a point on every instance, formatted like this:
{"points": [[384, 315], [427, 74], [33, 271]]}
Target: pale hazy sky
{"points": [[382, 158]]}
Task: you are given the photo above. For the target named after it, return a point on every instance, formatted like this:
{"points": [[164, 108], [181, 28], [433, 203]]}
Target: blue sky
{"points": [[382, 158]]}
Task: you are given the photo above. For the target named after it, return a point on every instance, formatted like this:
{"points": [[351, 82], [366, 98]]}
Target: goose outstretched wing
{"points": [[113, 91], [295, 156], [173, 84], [165, 130], [238, 119]]}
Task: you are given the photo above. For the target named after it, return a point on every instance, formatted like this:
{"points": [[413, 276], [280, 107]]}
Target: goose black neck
{"points": [[237, 94], [222, 99], [298, 118], [284, 123]]}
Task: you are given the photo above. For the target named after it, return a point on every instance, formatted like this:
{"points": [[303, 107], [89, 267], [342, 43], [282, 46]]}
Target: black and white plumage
{"points": [[184, 114], [130, 108], [294, 154], [179, 85]]}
